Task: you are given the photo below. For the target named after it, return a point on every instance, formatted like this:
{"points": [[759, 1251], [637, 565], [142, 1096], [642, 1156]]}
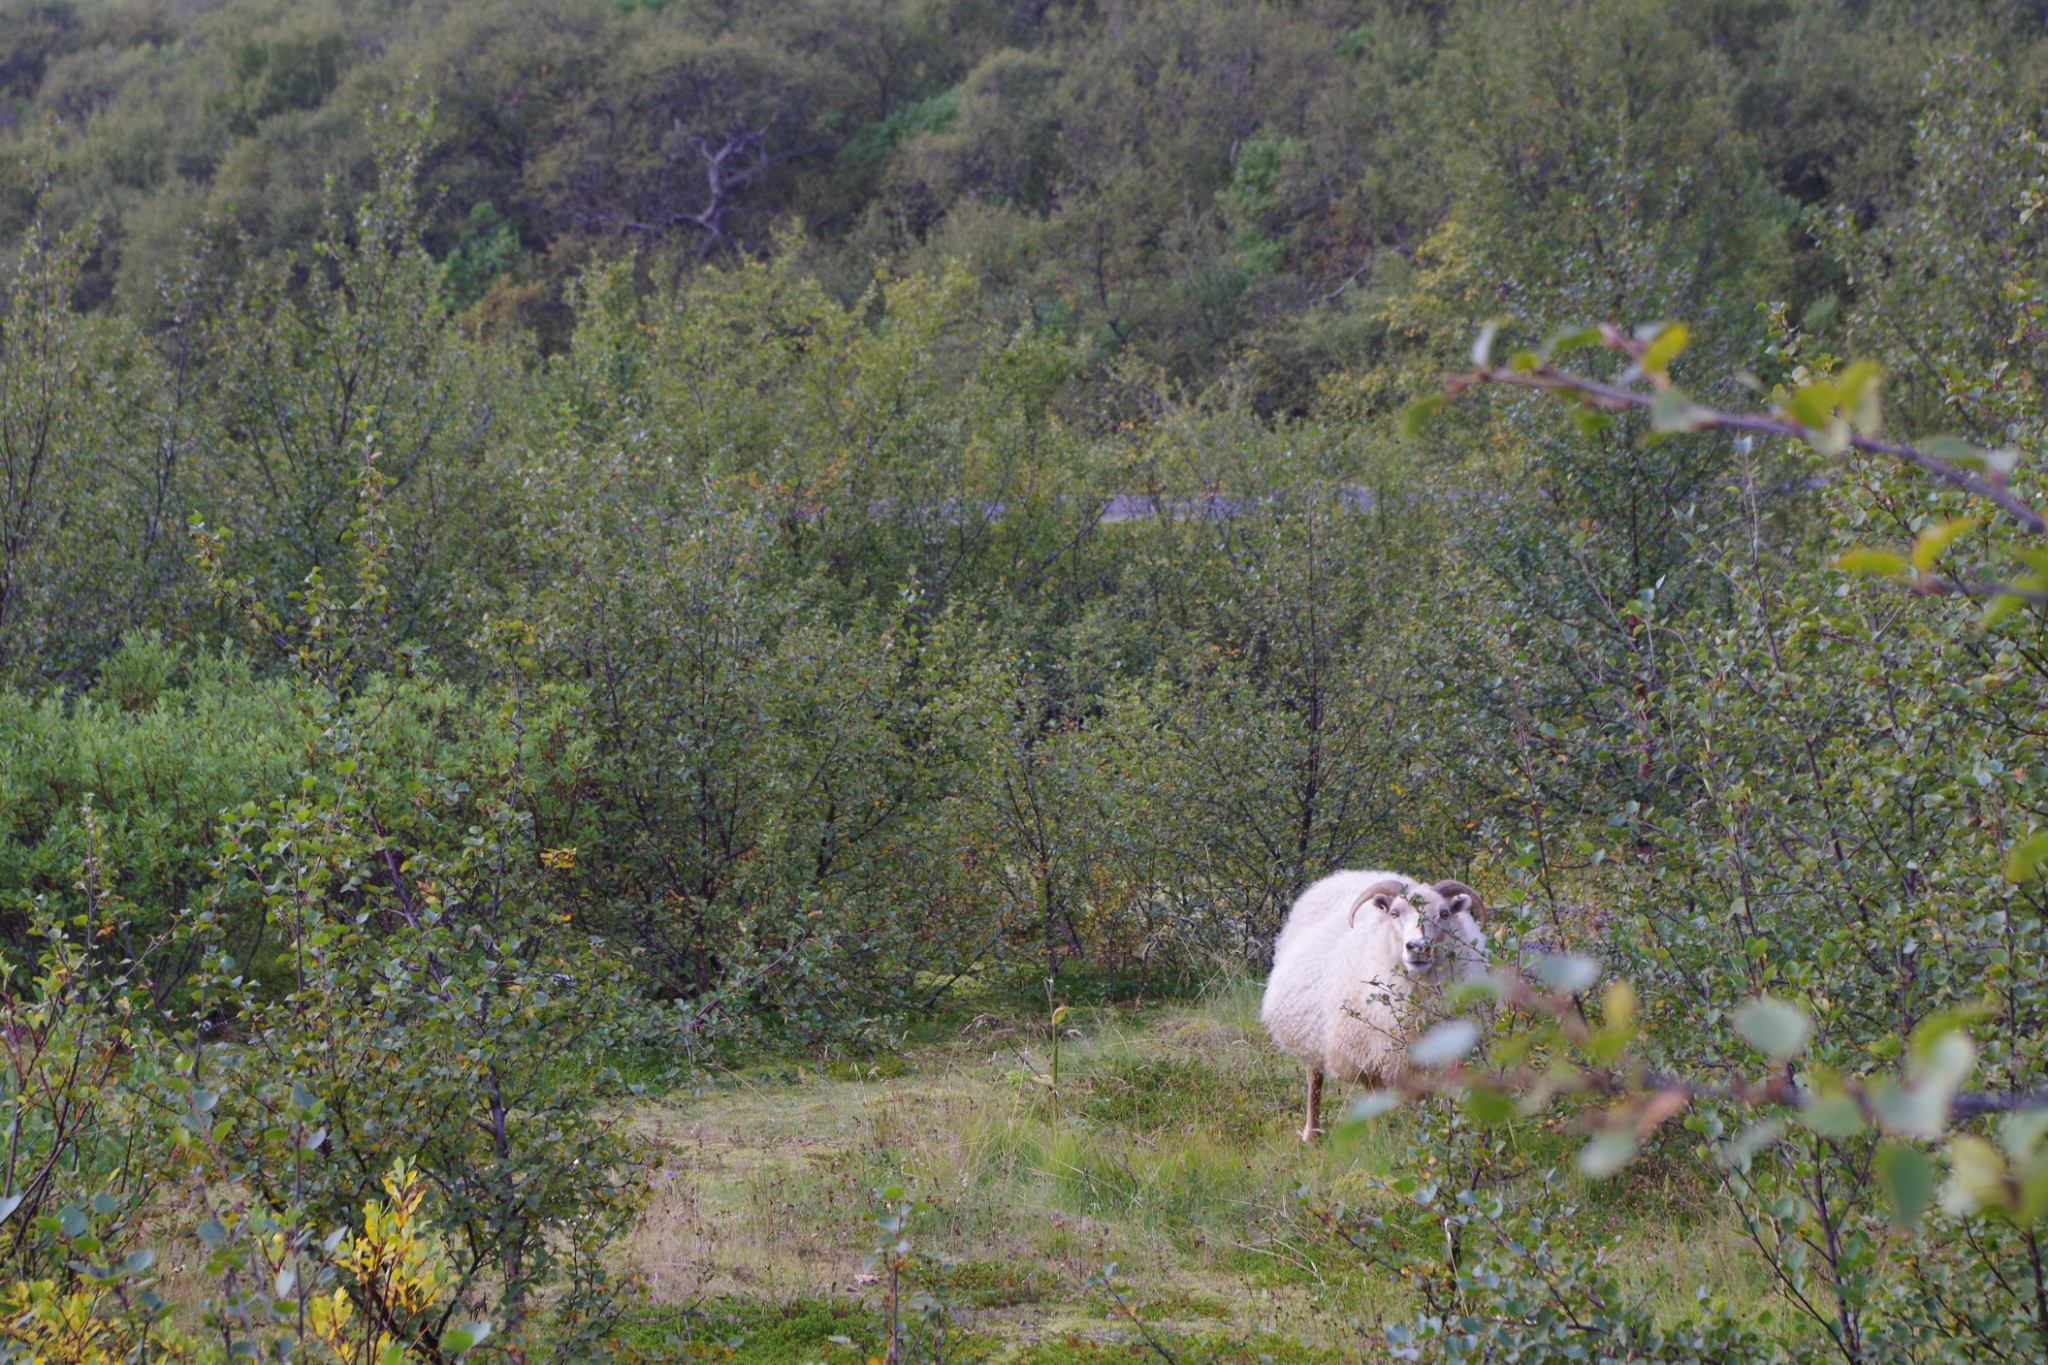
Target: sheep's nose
{"points": [[1418, 947]]}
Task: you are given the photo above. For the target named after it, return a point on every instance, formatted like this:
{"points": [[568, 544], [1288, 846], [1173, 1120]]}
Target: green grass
{"points": [[992, 1284], [1170, 1150], [747, 1333], [1258, 1349]]}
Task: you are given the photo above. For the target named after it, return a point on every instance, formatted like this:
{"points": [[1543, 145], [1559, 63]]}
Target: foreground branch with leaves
{"points": [[1830, 415], [1876, 1171]]}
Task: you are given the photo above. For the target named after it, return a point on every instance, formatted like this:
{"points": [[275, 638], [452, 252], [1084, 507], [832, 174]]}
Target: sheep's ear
{"points": [[1453, 892], [1459, 902], [1379, 895]]}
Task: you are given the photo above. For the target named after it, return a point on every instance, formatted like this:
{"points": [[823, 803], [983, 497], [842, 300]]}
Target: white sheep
{"points": [[1341, 996]]}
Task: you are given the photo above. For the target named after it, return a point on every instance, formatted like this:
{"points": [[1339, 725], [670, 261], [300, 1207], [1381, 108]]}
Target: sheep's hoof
{"points": [[1311, 1134]]}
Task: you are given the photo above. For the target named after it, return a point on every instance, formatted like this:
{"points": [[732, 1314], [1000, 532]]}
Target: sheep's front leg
{"points": [[1310, 1128]]}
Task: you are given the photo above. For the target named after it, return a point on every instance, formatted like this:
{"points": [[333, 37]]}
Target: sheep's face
{"points": [[1447, 932], [1418, 943], [1400, 920]]}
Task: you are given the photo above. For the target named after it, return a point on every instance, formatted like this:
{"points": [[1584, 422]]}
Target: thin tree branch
{"points": [[1606, 395]]}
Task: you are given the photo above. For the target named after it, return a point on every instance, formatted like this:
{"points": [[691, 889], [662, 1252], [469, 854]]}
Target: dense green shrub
{"points": [[948, 525]]}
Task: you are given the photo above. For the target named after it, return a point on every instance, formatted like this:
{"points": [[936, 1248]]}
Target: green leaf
{"points": [[1372, 1104], [1956, 451], [1489, 1107], [1416, 414], [1589, 421], [1831, 439], [1998, 608], [1482, 345], [465, 1338], [1750, 1141], [1606, 1154], [1906, 1174], [1812, 405], [1673, 411], [1856, 392], [1473, 990], [212, 1233], [1934, 1027], [1934, 540], [1670, 341], [2001, 462], [2019, 1134], [1940, 1063], [1567, 973], [1874, 563], [2023, 860], [1836, 1116], [1776, 1028], [73, 1222], [1444, 1044], [1913, 1111], [1946, 1064], [2034, 1190], [1570, 339], [1977, 1177]]}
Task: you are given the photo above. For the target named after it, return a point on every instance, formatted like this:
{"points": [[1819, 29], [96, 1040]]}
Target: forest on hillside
{"points": [[554, 549], [1239, 191]]}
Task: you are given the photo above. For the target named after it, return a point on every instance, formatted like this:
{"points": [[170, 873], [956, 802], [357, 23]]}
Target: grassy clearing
{"points": [[1170, 1151]]}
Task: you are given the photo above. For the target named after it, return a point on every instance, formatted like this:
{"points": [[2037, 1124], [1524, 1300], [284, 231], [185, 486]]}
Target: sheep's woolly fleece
{"points": [[1339, 997]]}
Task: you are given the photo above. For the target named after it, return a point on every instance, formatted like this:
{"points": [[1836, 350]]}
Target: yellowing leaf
{"points": [[1874, 563], [1998, 608], [1415, 416], [2023, 861], [1977, 1178], [1856, 391], [1935, 539], [1812, 405], [1665, 349], [1619, 1005]]}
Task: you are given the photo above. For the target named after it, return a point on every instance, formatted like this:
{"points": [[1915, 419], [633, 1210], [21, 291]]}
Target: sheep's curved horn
{"points": [[1448, 889], [1385, 886]]}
